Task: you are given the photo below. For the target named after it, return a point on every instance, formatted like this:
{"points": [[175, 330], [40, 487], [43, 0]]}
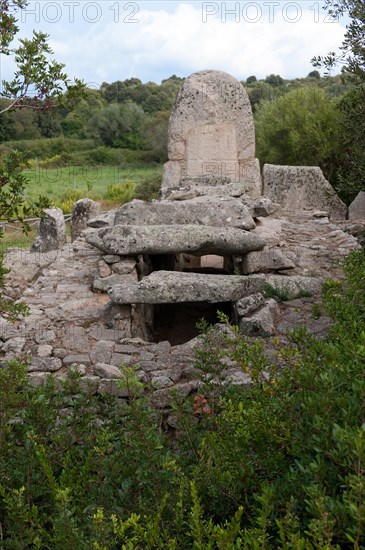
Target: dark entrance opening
{"points": [[177, 322], [210, 263]]}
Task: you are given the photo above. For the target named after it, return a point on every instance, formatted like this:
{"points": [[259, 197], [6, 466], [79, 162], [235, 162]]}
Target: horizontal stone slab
{"points": [[168, 287], [213, 211], [172, 239]]}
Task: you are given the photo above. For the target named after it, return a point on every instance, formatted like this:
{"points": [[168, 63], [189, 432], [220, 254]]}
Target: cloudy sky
{"points": [[104, 41]]}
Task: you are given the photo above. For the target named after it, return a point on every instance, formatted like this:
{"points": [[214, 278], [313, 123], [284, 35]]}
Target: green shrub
{"points": [[104, 155], [148, 189], [276, 464], [120, 192], [281, 294]]}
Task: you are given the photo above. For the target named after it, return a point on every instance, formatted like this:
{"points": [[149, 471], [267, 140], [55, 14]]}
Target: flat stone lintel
{"points": [[168, 287], [131, 240]]}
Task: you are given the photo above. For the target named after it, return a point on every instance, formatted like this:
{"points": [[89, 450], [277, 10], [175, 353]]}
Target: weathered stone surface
{"points": [[263, 207], [27, 266], [298, 188], [162, 287], [159, 382], [118, 359], [124, 266], [269, 229], [9, 330], [111, 258], [357, 230], [261, 322], [102, 220], [107, 371], [172, 239], [313, 243], [82, 211], [14, 345], [211, 132], [213, 211], [294, 286], [103, 284], [265, 261], [104, 269], [45, 364], [199, 187], [44, 350], [249, 304], [45, 336], [102, 352], [82, 359], [51, 231], [357, 207]]}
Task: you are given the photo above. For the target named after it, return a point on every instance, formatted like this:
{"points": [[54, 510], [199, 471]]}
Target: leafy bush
{"points": [[148, 189], [277, 464], [104, 155], [120, 192]]}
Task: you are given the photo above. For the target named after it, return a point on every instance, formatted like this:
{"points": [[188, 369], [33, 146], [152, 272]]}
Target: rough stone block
{"points": [[265, 261], [81, 359], [357, 207], [45, 364], [107, 371], [262, 322], [298, 188], [51, 231], [102, 352], [249, 304], [82, 211]]}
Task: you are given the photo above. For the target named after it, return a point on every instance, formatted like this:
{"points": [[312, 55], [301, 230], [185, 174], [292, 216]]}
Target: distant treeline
{"points": [[299, 121], [132, 115]]}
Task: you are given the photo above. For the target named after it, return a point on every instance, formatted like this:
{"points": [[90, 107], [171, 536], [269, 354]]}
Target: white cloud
{"points": [[174, 39]]}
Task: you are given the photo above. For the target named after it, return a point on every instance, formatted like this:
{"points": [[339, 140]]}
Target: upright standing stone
{"points": [[51, 231], [211, 137], [298, 188], [357, 207], [82, 211]]}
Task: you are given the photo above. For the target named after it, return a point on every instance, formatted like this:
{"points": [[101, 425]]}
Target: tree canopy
{"points": [[351, 176], [299, 128]]}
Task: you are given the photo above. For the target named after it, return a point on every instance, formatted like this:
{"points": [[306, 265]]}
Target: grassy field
{"points": [[109, 185], [65, 183]]}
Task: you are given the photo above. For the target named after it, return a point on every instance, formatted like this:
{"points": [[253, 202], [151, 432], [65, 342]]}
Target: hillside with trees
{"points": [[303, 121]]}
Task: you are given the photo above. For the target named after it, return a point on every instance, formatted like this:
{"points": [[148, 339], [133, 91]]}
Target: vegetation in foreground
{"points": [[277, 465]]}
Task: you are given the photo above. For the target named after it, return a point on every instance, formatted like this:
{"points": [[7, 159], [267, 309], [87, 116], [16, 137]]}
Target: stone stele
{"points": [[51, 231], [211, 136], [82, 211]]}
